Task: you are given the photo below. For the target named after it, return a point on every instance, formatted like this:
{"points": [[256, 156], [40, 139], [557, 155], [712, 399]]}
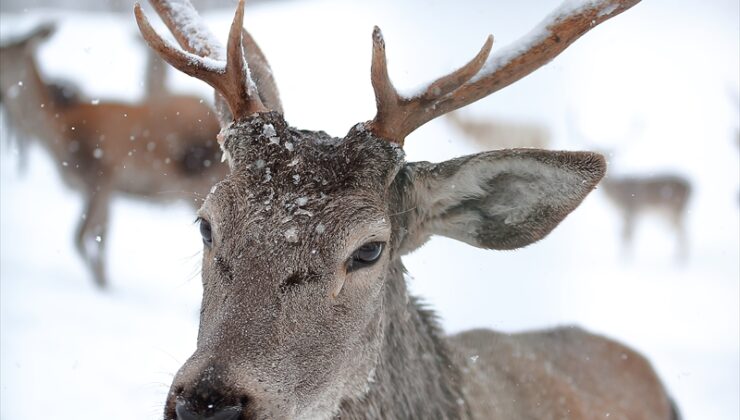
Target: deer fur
{"points": [[161, 149], [290, 328]]}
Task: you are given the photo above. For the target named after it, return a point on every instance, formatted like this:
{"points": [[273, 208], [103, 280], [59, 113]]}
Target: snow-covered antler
{"points": [[397, 116], [203, 57]]}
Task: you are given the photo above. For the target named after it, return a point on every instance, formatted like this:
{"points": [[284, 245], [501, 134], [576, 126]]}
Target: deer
{"points": [[490, 133], [159, 150], [305, 312], [634, 196]]}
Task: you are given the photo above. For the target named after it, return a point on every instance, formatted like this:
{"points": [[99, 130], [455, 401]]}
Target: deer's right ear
{"points": [[504, 199]]}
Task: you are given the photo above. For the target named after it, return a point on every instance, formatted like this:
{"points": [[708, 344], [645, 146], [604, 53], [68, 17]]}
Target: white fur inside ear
{"points": [[499, 200], [522, 183]]}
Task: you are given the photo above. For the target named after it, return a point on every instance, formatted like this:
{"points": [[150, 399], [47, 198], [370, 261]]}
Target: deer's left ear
{"points": [[504, 199]]}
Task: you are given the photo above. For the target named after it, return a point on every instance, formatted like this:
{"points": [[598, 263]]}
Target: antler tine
{"points": [[190, 64], [184, 23], [206, 46], [394, 119], [398, 116], [231, 80], [244, 99]]}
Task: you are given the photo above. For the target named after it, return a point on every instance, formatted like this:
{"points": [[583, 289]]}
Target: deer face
{"points": [[303, 238], [297, 245]]}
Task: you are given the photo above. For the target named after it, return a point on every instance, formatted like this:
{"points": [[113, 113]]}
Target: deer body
{"points": [[126, 157], [500, 134], [162, 149], [556, 374], [305, 311], [483, 374], [635, 196]]}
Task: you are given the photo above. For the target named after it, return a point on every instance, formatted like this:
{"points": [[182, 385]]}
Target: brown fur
{"points": [[562, 373]]}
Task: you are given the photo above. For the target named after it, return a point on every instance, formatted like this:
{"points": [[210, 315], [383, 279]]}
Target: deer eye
{"points": [[365, 256], [205, 232]]}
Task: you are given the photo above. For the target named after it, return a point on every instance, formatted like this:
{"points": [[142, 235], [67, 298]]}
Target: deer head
{"points": [[303, 240], [19, 76], [13, 68]]}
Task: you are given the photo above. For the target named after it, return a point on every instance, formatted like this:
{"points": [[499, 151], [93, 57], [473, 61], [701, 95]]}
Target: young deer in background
{"points": [[159, 149], [634, 196], [492, 133], [305, 311]]}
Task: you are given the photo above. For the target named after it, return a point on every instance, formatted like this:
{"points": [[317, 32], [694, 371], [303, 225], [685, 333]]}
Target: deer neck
{"points": [[415, 376], [32, 98], [156, 76]]}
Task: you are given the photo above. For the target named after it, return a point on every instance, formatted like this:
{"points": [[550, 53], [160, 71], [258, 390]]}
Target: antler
{"points": [[397, 116], [203, 57]]}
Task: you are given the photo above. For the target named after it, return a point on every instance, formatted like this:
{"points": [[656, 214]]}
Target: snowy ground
{"points": [[668, 66]]}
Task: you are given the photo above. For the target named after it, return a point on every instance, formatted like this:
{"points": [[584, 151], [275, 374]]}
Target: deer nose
{"points": [[228, 413]]}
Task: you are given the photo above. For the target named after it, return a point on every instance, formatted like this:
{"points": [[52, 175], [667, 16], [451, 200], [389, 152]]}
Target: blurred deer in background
{"points": [[635, 196], [62, 93], [155, 74], [492, 133], [305, 311], [160, 149], [735, 98]]}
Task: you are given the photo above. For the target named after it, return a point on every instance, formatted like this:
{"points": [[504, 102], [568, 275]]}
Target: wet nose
{"points": [[228, 413]]}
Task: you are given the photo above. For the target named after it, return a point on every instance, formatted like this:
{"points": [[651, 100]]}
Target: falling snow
{"points": [[268, 130], [291, 235], [559, 280]]}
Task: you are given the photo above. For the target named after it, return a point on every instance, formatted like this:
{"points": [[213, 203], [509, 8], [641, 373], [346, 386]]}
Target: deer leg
{"points": [[628, 231], [16, 146], [91, 235], [683, 245]]}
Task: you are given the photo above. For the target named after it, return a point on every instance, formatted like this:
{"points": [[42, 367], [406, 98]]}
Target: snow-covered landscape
{"points": [[657, 87]]}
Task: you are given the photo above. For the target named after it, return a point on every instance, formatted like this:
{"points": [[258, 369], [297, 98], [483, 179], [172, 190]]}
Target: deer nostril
{"points": [[228, 413]]}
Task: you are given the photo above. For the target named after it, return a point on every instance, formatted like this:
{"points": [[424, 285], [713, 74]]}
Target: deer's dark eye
{"points": [[365, 256], [205, 232]]}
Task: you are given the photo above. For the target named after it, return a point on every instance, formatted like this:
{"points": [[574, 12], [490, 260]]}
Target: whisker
{"points": [[405, 211]]}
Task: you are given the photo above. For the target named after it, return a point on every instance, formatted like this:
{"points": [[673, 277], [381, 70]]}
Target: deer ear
{"points": [[262, 76], [40, 34], [504, 199]]}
